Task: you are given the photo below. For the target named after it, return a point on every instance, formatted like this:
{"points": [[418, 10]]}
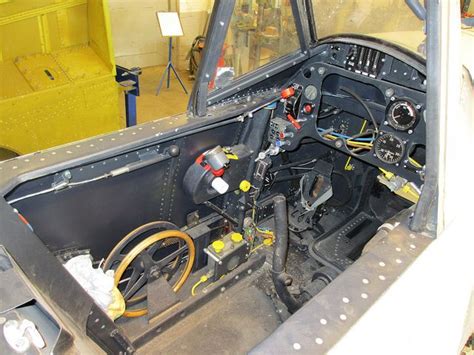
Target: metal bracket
{"points": [[160, 297], [105, 333]]}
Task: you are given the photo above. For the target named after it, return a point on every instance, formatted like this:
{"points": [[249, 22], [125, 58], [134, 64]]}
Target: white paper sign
{"points": [[170, 25]]}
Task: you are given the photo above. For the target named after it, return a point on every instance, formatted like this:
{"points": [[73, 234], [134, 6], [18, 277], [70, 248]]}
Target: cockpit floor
{"points": [[232, 323]]}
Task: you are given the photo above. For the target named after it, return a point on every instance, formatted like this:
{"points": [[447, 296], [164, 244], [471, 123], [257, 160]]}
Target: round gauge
{"points": [[310, 92], [402, 115], [389, 148]]}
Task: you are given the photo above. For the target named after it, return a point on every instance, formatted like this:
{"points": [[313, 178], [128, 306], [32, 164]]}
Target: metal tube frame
{"points": [[170, 67], [219, 22]]}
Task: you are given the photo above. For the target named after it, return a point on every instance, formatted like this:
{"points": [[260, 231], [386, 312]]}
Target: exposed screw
{"points": [[389, 92]]}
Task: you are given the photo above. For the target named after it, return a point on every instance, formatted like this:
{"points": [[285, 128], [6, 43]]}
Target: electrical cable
{"points": [[364, 105], [340, 135], [202, 280], [59, 188], [414, 162], [52, 189], [256, 248], [352, 143], [290, 165], [348, 166], [240, 118], [334, 111], [266, 232]]}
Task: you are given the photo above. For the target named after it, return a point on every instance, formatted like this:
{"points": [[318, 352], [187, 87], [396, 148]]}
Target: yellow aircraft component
{"points": [[408, 192], [57, 73], [236, 237], [245, 185], [218, 245], [231, 156], [399, 186]]}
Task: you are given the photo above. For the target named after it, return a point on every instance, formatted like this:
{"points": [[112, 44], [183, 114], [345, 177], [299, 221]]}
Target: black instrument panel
{"points": [[365, 103]]}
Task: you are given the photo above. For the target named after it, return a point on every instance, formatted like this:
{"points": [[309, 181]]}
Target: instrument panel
{"points": [[363, 102]]}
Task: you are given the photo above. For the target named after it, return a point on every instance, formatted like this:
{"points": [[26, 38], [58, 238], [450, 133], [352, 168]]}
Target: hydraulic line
{"points": [[280, 253]]}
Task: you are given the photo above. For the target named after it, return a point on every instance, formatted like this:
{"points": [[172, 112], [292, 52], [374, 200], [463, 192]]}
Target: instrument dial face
{"points": [[310, 92], [402, 115], [389, 148]]}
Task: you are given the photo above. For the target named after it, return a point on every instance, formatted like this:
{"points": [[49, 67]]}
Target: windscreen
{"points": [[260, 32], [391, 20]]}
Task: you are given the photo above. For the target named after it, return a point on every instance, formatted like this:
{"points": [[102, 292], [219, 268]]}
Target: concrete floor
{"points": [[169, 102]]}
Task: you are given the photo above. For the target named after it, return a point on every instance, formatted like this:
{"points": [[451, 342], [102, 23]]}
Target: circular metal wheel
{"points": [[136, 275], [158, 265]]}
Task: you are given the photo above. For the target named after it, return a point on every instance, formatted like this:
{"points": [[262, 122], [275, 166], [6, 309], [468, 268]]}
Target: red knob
{"points": [[307, 109], [288, 92], [218, 173]]}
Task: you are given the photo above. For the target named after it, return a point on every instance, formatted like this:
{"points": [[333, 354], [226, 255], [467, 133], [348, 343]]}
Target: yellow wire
{"points": [[202, 279], [351, 143], [414, 162], [360, 144], [270, 234], [346, 167], [212, 283], [257, 247]]}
